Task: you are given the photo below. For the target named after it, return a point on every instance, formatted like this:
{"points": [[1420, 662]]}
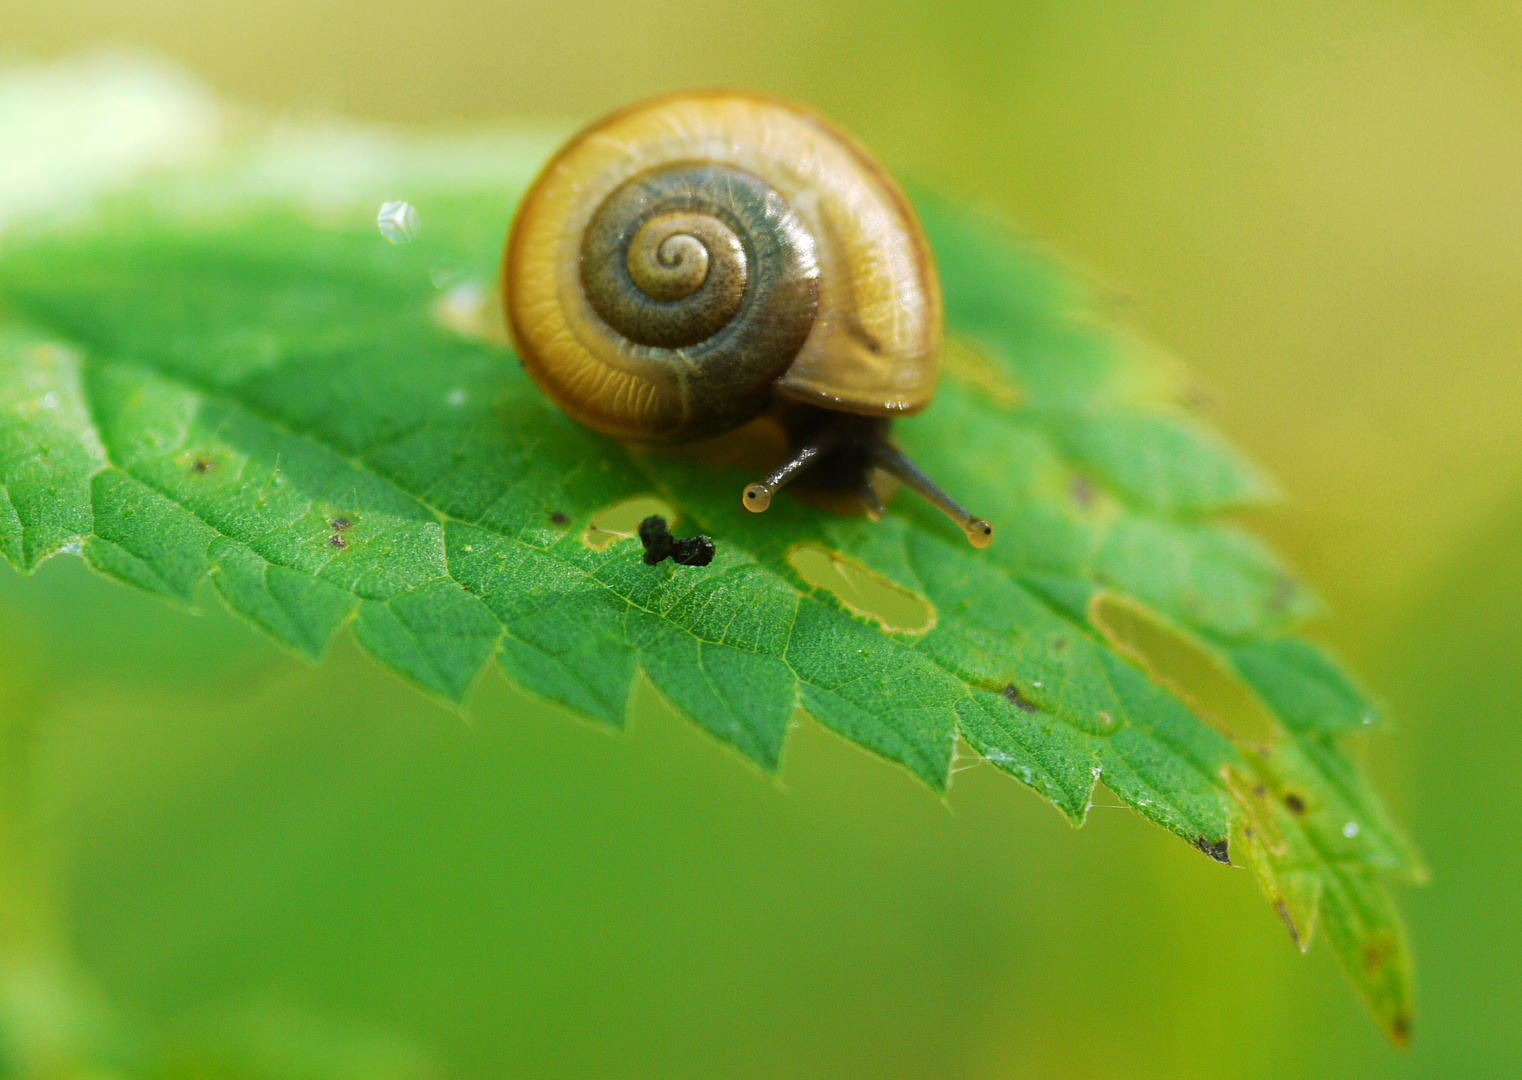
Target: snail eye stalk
{"points": [[892, 461], [843, 448], [758, 496]]}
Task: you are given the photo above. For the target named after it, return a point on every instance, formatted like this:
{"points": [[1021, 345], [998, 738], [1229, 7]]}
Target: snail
{"points": [[692, 262]]}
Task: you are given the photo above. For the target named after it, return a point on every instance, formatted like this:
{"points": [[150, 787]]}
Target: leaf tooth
{"points": [[437, 636], [1040, 751]]}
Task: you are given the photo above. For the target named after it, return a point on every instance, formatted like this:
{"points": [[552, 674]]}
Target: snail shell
{"points": [[684, 263]]}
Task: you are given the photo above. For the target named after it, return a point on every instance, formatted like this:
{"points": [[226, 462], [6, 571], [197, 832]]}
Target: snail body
{"points": [[691, 262]]}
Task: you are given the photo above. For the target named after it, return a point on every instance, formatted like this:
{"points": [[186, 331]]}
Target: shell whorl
{"points": [[709, 260], [686, 260]]}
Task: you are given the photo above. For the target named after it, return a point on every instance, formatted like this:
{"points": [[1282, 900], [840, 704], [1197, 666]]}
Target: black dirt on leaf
{"points": [[1019, 700], [660, 544], [1216, 849]]}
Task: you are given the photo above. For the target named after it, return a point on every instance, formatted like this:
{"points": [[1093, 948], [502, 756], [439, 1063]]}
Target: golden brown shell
{"points": [[683, 262]]}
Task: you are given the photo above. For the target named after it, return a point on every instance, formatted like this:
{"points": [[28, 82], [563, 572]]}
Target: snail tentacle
{"points": [[893, 461]]}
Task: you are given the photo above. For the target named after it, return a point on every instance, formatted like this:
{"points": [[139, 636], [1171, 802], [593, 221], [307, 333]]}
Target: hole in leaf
{"points": [[968, 364], [1180, 663], [621, 520], [863, 591]]}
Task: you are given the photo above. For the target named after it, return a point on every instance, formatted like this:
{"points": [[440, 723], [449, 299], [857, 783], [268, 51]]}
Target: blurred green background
{"points": [[1319, 205]]}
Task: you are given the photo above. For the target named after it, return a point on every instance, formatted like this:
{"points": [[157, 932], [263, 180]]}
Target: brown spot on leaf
{"points": [[1020, 701], [337, 541], [1375, 953], [1196, 396], [1285, 588], [340, 523], [557, 518], [1059, 644], [1294, 803], [1218, 850], [1400, 1030], [202, 465], [1081, 491]]}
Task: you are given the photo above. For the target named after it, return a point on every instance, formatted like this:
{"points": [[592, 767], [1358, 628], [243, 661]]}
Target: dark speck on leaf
{"points": [[1285, 588], [1059, 644], [340, 523], [1295, 803], [1216, 849], [1375, 954], [557, 518], [201, 465], [337, 541], [1294, 931], [1081, 492], [1197, 397], [660, 544], [1019, 700], [1400, 1029]]}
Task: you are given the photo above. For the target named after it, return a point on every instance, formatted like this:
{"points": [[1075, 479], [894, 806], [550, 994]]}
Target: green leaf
{"points": [[224, 373]]}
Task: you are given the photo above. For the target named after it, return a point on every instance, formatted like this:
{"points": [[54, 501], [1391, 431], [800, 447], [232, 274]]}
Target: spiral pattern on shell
{"points": [[683, 263], [709, 260]]}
